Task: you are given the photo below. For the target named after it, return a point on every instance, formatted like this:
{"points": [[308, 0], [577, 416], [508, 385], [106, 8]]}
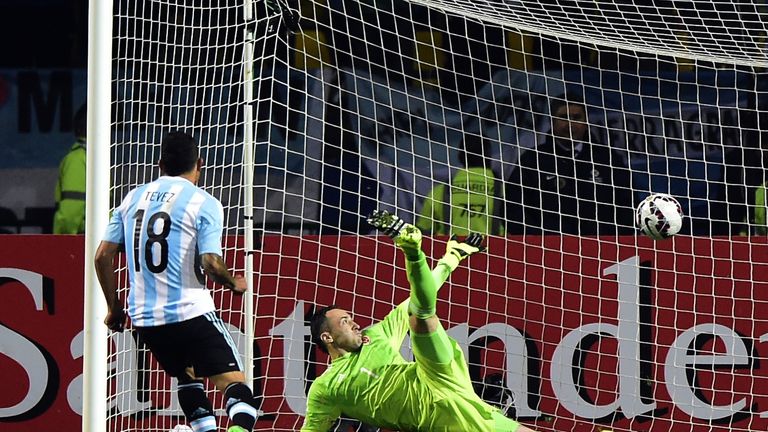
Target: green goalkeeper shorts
{"points": [[442, 369]]}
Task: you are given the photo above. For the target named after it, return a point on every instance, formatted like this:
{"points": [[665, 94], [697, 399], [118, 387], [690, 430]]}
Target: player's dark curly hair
{"points": [[319, 324], [179, 153]]}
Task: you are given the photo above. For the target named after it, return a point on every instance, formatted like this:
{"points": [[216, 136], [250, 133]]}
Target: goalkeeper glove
{"points": [[456, 251]]}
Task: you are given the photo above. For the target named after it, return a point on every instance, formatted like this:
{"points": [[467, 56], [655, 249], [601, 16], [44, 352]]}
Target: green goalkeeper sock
{"points": [[435, 347], [423, 302], [441, 272]]}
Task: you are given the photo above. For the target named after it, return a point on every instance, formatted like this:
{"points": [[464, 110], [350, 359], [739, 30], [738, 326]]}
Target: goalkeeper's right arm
{"points": [[455, 252]]}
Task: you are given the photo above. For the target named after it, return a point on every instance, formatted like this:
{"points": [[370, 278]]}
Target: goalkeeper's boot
{"points": [[456, 251], [237, 429], [406, 236]]}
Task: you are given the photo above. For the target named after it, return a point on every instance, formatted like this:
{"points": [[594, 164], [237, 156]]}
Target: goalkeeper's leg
{"points": [[429, 338], [455, 252], [407, 237]]}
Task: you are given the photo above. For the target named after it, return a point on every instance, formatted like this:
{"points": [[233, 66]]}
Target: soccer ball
{"points": [[659, 216]]}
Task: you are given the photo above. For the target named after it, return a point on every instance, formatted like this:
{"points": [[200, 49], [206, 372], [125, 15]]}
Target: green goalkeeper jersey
{"points": [[377, 386]]}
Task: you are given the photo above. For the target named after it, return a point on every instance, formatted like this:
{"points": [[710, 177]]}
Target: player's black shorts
{"points": [[202, 342]]}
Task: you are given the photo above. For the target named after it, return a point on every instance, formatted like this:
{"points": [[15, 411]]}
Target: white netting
{"points": [[177, 66], [582, 323], [720, 31]]}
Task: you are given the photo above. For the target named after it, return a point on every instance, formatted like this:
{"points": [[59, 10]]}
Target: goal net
{"points": [[542, 124]]}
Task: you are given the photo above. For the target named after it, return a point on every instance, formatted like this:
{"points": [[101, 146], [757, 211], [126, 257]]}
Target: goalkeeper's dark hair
{"points": [[319, 324], [179, 153]]}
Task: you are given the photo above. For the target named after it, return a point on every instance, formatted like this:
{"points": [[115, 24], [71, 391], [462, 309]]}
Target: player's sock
{"points": [[423, 302], [440, 273], [434, 346], [238, 398], [455, 252], [196, 406]]}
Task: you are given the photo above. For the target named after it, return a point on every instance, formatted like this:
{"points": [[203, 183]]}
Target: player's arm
{"points": [[209, 229], [321, 413], [105, 272], [394, 327], [424, 283], [110, 246], [216, 269]]}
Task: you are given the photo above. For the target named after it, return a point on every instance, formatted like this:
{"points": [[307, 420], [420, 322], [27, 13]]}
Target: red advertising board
{"points": [[587, 333], [41, 325]]}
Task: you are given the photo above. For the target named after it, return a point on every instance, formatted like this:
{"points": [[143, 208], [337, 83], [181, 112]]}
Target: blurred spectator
{"points": [[752, 205], [756, 217], [70, 188], [471, 202], [568, 184], [758, 224]]}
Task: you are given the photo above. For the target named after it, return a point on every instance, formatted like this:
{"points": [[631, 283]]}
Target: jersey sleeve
{"points": [[115, 232], [321, 412], [394, 326], [210, 224]]}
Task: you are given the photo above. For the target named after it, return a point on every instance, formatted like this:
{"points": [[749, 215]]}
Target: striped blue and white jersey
{"points": [[165, 226]]}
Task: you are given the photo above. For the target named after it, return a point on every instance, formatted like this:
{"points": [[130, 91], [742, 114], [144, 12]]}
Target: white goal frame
{"points": [[254, 213], [97, 211], [95, 370]]}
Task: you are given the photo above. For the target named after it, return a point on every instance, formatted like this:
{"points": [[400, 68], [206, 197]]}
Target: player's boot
{"points": [[237, 429], [471, 245], [406, 236]]}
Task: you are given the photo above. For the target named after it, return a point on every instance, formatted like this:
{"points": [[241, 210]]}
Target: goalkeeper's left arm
{"points": [[424, 282]]}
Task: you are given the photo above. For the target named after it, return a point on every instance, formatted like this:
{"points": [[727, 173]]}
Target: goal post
{"points": [[95, 389], [571, 319]]}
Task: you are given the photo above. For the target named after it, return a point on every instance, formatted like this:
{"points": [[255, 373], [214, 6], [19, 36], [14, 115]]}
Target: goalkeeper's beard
{"points": [[354, 344]]}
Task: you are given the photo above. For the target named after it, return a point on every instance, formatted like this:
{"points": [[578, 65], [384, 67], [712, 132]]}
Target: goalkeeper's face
{"points": [[343, 333]]}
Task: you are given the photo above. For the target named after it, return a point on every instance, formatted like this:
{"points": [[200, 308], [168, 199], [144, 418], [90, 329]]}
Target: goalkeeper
{"points": [[370, 381]]}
